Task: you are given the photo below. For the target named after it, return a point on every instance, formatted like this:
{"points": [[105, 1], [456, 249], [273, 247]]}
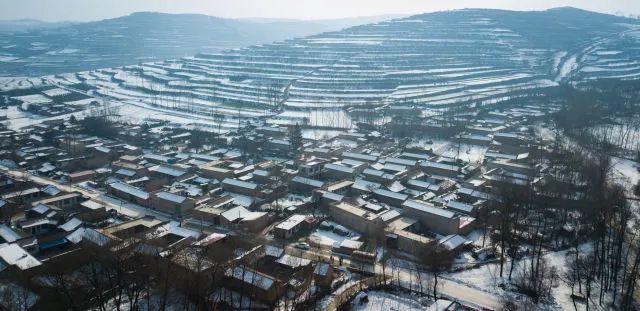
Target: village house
{"points": [[172, 203], [438, 220], [129, 193], [291, 226], [357, 218], [304, 185]]}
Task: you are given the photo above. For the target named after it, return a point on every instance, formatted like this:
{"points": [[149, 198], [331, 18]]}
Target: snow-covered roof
{"points": [[130, 190], [399, 161], [423, 185], [373, 172], [460, 206], [51, 190], [293, 261], [340, 168], [211, 238], [240, 213], [474, 193], [417, 156], [360, 156], [308, 181], [438, 165], [173, 227], [291, 222], [126, 172], [364, 185], [90, 204], [41, 209], [76, 236], [239, 183], [71, 225], [8, 235], [352, 163], [56, 92], [390, 194], [14, 255], [171, 197], [273, 251], [96, 237], [428, 208], [394, 167], [332, 196], [167, 170], [453, 241], [251, 277], [390, 215]]}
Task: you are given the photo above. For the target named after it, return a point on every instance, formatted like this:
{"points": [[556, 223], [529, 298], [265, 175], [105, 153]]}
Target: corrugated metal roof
{"points": [[130, 190]]}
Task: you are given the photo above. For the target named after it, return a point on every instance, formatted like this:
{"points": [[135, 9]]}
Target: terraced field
{"points": [[465, 57]]}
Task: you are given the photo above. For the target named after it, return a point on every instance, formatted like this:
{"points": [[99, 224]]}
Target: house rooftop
{"points": [[291, 222], [136, 192], [340, 168], [239, 183], [14, 255], [293, 261], [171, 197], [360, 156], [428, 208], [146, 222], [252, 277], [8, 234], [354, 210], [308, 181], [167, 170]]}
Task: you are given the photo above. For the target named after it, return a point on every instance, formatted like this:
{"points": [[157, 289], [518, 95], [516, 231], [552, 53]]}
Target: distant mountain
{"points": [[30, 47], [452, 58], [19, 25], [330, 24]]}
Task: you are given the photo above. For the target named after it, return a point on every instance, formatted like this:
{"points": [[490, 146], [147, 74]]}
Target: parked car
{"points": [[302, 246]]}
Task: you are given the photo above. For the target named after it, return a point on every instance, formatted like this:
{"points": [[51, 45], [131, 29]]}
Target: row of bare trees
{"points": [[577, 206]]}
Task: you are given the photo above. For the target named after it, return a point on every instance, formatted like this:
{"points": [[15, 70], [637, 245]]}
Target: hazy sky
{"points": [[83, 10]]}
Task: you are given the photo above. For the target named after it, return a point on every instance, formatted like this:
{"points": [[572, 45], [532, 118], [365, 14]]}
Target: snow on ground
{"points": [[440, 305], [627, 170], [387, 301], [487, 278], [330, 238], [318, 134], [477, 236], [428, 143], [567, 68], [467, 153]]}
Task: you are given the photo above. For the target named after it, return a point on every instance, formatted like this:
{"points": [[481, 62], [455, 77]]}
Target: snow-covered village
{"points": [[447, 159]]}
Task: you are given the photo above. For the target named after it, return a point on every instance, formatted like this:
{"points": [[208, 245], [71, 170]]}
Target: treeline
{"points": [[574, 205], [603, 112]]}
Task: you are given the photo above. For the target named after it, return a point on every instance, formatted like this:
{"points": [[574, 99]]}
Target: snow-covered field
{"points": [[628, 171], [487, 277]]}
